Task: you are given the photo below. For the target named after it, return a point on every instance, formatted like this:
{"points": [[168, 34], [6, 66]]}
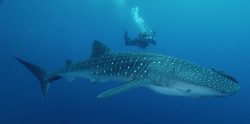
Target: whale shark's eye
{"points": [[223, 91]]}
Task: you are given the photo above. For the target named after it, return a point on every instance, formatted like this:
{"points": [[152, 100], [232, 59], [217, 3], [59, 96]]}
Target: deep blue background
{"points": [[212, 33]]}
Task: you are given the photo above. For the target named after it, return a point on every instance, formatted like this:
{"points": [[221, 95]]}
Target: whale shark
{"points": [[161, 73]]}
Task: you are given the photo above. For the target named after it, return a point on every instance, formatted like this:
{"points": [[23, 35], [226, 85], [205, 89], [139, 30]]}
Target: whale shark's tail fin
{"points": [[42, 75]]}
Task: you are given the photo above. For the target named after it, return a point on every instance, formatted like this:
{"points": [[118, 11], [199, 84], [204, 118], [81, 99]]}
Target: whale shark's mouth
{"points": [[186, 89]]}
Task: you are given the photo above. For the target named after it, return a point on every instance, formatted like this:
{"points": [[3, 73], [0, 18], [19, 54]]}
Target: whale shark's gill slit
{"points": [[132, 61], [118, 66], [142, 66], [124, 62]]}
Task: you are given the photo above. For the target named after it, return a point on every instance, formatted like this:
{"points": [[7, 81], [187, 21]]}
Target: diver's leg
{"points": [[125, 34], [129, 42]]}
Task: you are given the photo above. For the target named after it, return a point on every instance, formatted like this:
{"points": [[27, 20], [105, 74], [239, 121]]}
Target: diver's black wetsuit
{"points": [[142, 40]]}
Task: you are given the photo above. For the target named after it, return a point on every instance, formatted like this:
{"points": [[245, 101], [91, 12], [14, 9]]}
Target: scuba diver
{"points": [[142, 40]]}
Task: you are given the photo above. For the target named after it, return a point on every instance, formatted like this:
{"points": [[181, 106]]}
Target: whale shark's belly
{"points": [[179, 88]]}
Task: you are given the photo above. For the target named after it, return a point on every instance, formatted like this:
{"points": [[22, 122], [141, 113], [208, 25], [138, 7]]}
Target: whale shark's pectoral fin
{"points": [[129, 85]]}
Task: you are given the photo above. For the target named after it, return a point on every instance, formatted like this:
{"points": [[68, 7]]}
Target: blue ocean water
{"points": [[212, 33]]}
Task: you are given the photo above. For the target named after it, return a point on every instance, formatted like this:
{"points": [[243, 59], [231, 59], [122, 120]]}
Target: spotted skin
{"points": [[162, 73], [118, 66], [163, 70]]}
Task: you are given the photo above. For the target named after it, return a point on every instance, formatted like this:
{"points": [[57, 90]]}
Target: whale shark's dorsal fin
{"points": [[68, 63], [99, 49]]}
